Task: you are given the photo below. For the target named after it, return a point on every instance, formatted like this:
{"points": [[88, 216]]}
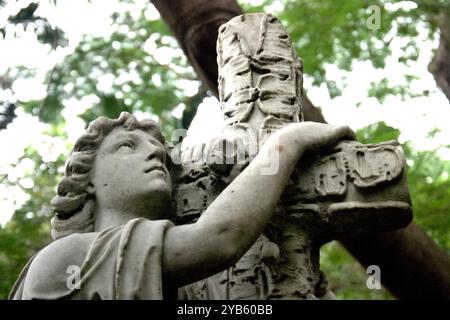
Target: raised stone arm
{"points": [[235, 219]]}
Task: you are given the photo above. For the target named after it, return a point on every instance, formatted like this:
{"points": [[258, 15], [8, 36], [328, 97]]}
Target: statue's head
{"points": [[116, 165]]}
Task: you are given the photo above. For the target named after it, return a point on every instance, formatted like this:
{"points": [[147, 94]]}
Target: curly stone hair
{"points": [[74, 205]]}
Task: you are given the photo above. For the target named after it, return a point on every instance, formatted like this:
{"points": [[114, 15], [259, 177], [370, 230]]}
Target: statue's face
{"points": [[130, 173]]}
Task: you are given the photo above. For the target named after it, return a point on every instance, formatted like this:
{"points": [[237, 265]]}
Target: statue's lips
{"points": [[156, 167]]}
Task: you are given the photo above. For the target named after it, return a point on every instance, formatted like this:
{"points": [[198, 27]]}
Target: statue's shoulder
{"points": [[50, 269]]}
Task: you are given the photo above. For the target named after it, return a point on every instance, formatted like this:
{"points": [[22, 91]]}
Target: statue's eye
{"points": [[125, 146]]}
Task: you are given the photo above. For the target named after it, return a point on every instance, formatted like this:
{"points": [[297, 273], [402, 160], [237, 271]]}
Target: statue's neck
{"points": [[107, 218]]}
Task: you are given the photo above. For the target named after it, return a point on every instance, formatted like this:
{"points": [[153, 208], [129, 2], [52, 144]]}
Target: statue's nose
{"points": [[156, 153]]}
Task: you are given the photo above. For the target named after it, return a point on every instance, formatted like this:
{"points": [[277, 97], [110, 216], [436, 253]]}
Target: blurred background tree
{"points": [[138, 66]]}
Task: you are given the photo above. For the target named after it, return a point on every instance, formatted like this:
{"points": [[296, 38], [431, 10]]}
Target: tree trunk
{"points": [[195, 24], [412, 266], [440, 65]]}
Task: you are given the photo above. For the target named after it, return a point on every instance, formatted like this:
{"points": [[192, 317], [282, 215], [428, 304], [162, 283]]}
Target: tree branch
{"points": [[412, 265]]}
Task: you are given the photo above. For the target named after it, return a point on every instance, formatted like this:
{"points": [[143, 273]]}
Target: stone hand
{"points": [[309, 137]]}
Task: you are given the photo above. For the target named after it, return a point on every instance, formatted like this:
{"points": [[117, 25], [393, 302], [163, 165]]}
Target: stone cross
{"points": [[349, 190]]}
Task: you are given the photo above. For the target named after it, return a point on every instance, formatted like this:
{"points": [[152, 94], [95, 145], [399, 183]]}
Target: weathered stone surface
{"points": [[263, 74]]}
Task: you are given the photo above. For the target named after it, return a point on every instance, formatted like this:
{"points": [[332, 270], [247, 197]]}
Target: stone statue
{"points": [[113, 238], [347, 190]]}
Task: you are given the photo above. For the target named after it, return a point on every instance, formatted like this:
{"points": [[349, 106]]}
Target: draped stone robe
{"points": [[122, 262]]}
